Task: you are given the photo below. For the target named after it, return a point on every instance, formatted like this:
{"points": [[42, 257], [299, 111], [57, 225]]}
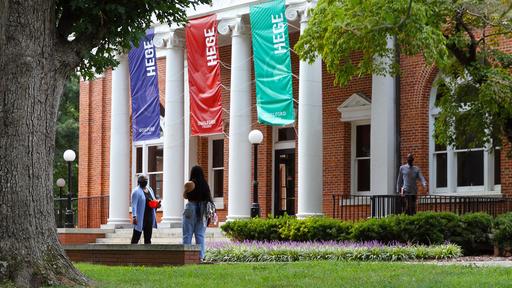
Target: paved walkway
{"points": [[477, 261]]}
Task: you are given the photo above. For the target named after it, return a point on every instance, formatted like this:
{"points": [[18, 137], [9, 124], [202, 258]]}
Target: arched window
{"points": [[461, 170]]}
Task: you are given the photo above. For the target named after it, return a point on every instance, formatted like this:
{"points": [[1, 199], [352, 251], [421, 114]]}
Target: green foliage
{"points": [[503, 230], [470, 231], [256, 229], [316, 228], [67, 135], [291, 254], [380, 229], [109, 27], [462, 38]]}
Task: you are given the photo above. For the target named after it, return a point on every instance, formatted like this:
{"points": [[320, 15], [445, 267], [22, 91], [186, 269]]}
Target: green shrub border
{"points": [[471, 231]]}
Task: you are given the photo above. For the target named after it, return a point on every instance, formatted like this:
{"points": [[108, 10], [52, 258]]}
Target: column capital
{"points": [[170, 40], [235, 26], [302, 10]]}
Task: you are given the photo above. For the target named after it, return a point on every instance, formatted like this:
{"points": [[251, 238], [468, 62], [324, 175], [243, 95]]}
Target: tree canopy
{"points": [[109, 27], [464, 39]]}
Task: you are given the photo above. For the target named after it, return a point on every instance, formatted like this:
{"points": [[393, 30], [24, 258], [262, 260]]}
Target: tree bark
{"points": [[34, 68]]}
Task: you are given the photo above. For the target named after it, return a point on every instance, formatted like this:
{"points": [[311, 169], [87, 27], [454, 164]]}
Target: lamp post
{"points": [[255, 137], [69, 156], [60, 183]]}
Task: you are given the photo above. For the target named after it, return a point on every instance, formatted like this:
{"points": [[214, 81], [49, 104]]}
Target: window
{"points": [[216, 169], [286, 134], [148, 160], [156, 168], [460, 169], [361, 157]]}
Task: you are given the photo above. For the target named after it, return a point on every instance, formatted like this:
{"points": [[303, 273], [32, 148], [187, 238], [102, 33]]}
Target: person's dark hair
{"points": [[197, 174], [410, 159], [141, 178]]}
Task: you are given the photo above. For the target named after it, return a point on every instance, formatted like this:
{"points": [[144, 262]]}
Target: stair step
{"points": [[159, 236]]}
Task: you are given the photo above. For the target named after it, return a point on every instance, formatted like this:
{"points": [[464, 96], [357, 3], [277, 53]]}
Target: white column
{"points": [[451, 166], [174, 148], [119, 148], [383, 132], [239, 173], [310, 144]]}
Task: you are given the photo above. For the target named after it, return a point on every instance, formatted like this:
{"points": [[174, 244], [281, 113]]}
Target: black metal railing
{"points": [[93, 211], [352, 207], [60, 207]]}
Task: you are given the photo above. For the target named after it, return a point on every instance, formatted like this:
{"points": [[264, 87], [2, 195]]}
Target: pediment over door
{"points": [[357, 107]]}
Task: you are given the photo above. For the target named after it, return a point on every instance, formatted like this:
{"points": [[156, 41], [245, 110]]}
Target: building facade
{"points": [[345, 140]]}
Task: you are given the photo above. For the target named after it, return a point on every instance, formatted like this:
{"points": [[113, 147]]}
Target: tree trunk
{"points": [[32, 80]]}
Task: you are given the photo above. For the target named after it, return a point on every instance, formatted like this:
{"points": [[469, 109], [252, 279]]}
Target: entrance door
{"points": [[284, 175]]}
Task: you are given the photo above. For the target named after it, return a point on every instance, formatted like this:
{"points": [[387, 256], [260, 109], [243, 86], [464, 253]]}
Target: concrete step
{"points": [[160, 236], [163, 233], [153, 240]]}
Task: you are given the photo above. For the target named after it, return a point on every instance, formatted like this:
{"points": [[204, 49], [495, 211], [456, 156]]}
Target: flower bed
{"points": [[277, 251]]}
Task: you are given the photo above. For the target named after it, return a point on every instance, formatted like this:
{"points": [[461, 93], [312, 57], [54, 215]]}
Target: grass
{"points": [[300, 274]]}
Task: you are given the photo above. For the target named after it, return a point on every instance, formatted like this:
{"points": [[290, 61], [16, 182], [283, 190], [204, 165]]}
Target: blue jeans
{"points": [[193, 224]]}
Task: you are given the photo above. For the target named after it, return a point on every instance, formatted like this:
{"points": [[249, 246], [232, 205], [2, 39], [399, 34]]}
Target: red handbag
{"points": [[153, 204]]}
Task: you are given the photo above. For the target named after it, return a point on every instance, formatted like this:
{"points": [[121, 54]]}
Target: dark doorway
{"points": [[284, 187]]}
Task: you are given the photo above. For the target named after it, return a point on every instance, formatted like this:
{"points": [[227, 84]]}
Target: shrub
{"points": [[475, 235], [379, 229], [256, 229], [503, 230], [316, 228]]}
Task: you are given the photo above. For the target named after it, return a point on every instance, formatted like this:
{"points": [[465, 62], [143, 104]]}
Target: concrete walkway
{"points": [[475, 261]]}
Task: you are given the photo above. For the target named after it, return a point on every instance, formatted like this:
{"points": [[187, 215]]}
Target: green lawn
{"points": [[300, 274]]}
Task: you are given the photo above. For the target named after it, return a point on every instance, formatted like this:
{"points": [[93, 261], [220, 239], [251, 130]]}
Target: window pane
{"points": [[497, 167], [441, 169], [470, 168], [155, 158], [155, 182], [286, 134], [218, 183], [363, 175], [218, 153], [363, 141], [138, 160]]}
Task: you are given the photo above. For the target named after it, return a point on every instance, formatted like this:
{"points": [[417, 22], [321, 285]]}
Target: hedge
{"points": [[502, 230], [470, 231]]}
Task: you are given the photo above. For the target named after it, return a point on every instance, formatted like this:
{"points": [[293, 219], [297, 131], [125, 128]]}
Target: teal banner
{"points": [[272, 65]]}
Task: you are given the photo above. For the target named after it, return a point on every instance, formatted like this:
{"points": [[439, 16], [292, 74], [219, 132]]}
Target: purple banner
{"points": [[144, 89]]}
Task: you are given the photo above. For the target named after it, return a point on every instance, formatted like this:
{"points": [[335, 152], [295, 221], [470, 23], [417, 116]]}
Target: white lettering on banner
{"points": [[278, 31], [207, 123], [150, 61], [146, 130], [211, 52]]}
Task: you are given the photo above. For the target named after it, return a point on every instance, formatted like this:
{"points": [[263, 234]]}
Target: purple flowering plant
{"points": [[288, 251]]}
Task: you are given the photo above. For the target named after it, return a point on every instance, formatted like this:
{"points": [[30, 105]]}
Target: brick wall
{"points": [[147, 255], [415, 86]]}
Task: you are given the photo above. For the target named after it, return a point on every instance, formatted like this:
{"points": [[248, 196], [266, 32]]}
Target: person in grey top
{"points": [[408, 175]]}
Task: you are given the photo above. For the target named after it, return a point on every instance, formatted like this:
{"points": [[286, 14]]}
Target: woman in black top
{"points": [[198, 194]]}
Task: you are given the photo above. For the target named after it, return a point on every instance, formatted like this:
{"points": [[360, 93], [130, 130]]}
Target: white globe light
{"points": [[61, 182], [69, 155], [255, 136]]}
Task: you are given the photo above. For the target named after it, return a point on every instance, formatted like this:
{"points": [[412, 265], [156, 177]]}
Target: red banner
{"points": [[204, 76]]}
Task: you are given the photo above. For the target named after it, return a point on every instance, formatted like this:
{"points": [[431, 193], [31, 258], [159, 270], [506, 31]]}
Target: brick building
{"points": [[346, 140]]}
